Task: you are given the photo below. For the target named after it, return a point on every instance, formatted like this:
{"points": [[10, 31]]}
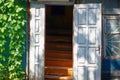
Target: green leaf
{"points": [[19, 9], [4, 17], [1, 16], [12, 38], [3, 29], [0, 64]]}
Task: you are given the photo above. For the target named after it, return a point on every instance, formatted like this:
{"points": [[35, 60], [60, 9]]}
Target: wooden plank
{"points": [[58, 38], [60, 63], [49, 77], [58, 71], [36, 49], [59, 32], [58, 46], [87, 38], [58, 55]]}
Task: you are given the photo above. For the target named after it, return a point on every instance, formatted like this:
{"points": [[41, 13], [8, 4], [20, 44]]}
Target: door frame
{"points": [[29, 18], [47, 3], [28, 37]]}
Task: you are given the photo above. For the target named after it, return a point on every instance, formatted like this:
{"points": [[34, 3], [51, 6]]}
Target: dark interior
{"points": [[58, 44]]}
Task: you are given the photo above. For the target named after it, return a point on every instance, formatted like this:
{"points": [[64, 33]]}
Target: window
{"points": [[112, 37]]}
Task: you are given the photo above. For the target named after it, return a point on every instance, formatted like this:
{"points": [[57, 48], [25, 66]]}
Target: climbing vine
{"points": [[12, 39]]}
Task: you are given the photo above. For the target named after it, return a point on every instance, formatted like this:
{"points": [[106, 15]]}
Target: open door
{"points": [[58, 42], [37, 25], [87, 42]]}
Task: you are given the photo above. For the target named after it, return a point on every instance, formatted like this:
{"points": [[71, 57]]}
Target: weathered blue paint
{"points": [[25, 52], [110, 65], [109, 68], [24, 57], [110, 4], [106, 4]]}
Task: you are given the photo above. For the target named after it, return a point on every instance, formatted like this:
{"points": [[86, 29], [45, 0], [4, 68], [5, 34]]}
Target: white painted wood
{"points": [[53, 3], [87, 42], [81, 73], [37, 12]]}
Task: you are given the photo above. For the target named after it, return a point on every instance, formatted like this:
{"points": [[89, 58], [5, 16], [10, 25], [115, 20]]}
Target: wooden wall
{"points": [[106, 4]]}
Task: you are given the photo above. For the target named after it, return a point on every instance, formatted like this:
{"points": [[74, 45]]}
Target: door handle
{"points": [[98, 48]]}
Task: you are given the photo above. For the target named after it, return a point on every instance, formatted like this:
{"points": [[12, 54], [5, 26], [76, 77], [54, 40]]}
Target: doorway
{"points": [[58, 42]]}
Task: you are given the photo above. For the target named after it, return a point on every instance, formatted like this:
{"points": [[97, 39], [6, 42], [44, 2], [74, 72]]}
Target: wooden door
{"points": [[87, 42], [36, 58]]}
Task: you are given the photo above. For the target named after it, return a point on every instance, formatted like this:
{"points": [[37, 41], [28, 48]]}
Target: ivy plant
{"points": [[12, 39]]}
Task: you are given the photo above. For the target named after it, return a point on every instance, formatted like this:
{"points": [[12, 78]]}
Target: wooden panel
{"points": [[92, 55], [36, 41], [110, 5], [58, 46], [63, 63], [81, 55], [92, 1], [58, 71], [92, 36], [59, 32], [82, 16], [81, 73], [92, 16], [58, 54], [87, 25], [59, 39], [81, 38], [49, 77], [91, 71]]}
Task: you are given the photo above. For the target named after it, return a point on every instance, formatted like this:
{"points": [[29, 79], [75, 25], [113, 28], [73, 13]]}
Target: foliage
{"points": [[12, 38]]}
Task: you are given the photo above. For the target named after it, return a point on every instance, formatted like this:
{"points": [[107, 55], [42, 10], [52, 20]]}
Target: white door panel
{"points": [[36, 66], [87, 41]]}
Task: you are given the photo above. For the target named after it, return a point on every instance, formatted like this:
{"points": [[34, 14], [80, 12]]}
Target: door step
{"points": [[59, 71], [58, 46], [58, 54], [60, 63], [57, 59], [54, 77], [58, 38], [58, 67]]}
